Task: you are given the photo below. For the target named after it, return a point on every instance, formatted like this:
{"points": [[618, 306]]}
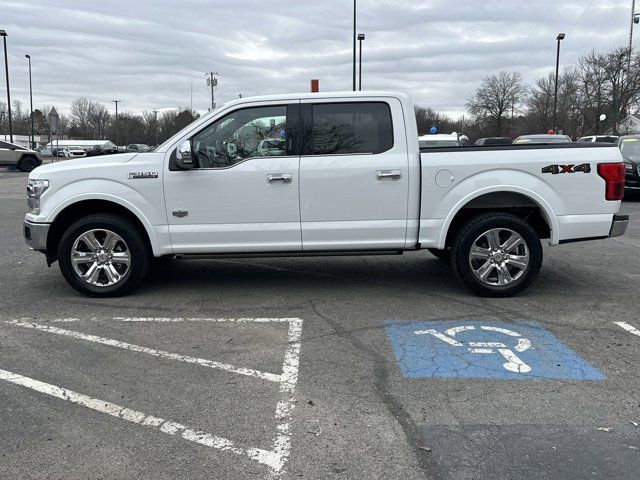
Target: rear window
{"points": [[350, 128]]}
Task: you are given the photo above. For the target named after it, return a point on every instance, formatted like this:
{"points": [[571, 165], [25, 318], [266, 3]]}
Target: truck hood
{"points": [[81, 163]]}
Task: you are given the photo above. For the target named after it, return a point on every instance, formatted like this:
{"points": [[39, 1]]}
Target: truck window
{"points": [[242, 134], [350, 128]]}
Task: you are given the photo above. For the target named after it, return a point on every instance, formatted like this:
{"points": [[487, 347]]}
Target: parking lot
{"points": [[356, 367]]}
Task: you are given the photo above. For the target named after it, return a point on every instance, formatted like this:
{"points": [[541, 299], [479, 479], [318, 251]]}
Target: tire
{"points": [[509, 269], [121, 257], [444, 255], [28, 163]]}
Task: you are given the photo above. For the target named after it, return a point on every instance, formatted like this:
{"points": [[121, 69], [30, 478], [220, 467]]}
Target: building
{"points": [[630, 125], [25, 140]]}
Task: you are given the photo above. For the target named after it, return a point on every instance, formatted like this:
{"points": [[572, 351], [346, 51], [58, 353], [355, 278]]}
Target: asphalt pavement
{"points": [[377, 367]]}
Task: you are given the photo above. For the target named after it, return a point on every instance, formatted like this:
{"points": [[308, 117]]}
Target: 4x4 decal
{"points": [[555, 169]]}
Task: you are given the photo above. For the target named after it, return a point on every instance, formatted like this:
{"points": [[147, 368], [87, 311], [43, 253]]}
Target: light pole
{"points": [[3, 34], [635, 18], [117, 138], [354, 45], [559, 38], [360, 39], [33, 138]]}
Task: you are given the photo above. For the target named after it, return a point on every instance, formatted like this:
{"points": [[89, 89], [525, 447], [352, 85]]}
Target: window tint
{"points": [[245, 133], [358, 127]]}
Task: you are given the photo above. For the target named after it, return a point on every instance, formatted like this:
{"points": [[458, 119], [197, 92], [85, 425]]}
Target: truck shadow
{"points": [[305, 275]]}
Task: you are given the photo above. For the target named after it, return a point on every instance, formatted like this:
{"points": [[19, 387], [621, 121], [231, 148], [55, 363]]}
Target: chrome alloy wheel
{"points": [[100, 257], [499, 257]]}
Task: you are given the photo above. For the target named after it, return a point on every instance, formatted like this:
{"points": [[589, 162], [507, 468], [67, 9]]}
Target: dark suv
{"points": [[630, 148]]}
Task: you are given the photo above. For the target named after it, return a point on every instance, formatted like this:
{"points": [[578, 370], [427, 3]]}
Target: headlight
{"points": [[628, 167], [35, 189]]}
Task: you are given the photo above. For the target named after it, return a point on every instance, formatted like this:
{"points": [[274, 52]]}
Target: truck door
{"points": [[353, 174], [242, 194]]}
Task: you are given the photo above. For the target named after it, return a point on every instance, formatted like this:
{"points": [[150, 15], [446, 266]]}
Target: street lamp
{"points": [[33, 138], [117, 139], [3, 34], [559, 38], [360, 39], [354, 45]]}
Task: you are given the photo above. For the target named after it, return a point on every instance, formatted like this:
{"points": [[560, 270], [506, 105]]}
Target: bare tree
{"points": [[498, 95], [80, 113], [98, 118], [427, 117]]}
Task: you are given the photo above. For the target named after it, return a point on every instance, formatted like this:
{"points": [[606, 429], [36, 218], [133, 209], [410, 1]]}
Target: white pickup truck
{"points": [[350, 179]]}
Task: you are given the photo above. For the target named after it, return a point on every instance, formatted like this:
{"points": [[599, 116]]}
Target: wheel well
{"points": [[504, 202], [81, 209]]}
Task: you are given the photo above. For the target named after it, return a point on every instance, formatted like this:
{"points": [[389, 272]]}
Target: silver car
{"points": [[23, 158]]}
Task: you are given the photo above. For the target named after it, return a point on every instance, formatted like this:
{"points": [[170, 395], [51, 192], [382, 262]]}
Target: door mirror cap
{"points": [[184, 156]]}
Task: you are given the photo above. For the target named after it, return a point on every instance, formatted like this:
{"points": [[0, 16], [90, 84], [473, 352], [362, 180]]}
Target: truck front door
{"points": [[242, 194]]}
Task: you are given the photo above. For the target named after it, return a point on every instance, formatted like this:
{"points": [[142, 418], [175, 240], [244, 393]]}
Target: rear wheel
{"points": [[497, 255], [28, 163], [103, 255]]}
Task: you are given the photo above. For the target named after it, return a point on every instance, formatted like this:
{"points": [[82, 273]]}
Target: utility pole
{"points": [[212, 82], [117, 138]]}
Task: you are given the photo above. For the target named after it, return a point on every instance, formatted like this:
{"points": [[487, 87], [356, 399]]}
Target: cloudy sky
{"points": [[148, 53]]}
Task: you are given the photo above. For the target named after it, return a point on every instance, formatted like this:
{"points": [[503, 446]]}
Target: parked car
{"points": [[542, 139], [138, 147], [494, 141], [598, 139], [630, 148], [23, 158], [98, 150], [271, 146], [439, 140], [356, 182], [74, 152]]}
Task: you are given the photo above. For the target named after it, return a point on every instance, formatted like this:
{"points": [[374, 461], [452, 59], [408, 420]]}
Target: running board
{"points": [[347, 253]]}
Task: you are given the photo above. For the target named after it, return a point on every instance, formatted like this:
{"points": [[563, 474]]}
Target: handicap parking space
{"points": [[477, 349], [324, 368]]}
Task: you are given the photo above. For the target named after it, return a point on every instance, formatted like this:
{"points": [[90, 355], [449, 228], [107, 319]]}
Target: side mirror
{"points": [[184, 156]]}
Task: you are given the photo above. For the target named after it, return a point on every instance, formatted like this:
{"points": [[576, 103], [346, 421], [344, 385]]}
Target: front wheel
{"points": [[497, 255], [27, 164], [103, 255]]}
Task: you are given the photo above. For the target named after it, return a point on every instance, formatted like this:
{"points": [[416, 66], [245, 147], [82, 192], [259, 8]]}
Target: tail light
{"points": [[613, 174]]}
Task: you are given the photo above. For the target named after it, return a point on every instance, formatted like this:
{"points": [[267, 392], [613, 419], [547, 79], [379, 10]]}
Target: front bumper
{"points": [[619, 225], [35, 234]]}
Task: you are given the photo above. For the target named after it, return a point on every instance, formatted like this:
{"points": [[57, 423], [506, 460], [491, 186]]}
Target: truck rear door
{"points": [[353, 174]]}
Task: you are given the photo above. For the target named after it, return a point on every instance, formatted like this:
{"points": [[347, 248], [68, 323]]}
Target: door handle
{"points": [[279, 177], [389, 174]]}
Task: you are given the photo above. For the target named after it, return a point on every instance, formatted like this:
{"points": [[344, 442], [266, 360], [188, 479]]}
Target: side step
{"points": [[347, 253]]}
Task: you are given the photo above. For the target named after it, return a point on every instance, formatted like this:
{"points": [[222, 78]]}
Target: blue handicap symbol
{"points": [[479, 349]]}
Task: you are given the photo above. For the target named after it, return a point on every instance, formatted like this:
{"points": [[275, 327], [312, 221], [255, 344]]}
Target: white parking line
{"points": [[275, 459], [165, 426], [179, 319], [628, 328], [149, 351]]}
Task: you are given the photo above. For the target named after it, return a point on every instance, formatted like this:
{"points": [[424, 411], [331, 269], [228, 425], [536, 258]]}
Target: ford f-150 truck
{"points": [[350, 179]]}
